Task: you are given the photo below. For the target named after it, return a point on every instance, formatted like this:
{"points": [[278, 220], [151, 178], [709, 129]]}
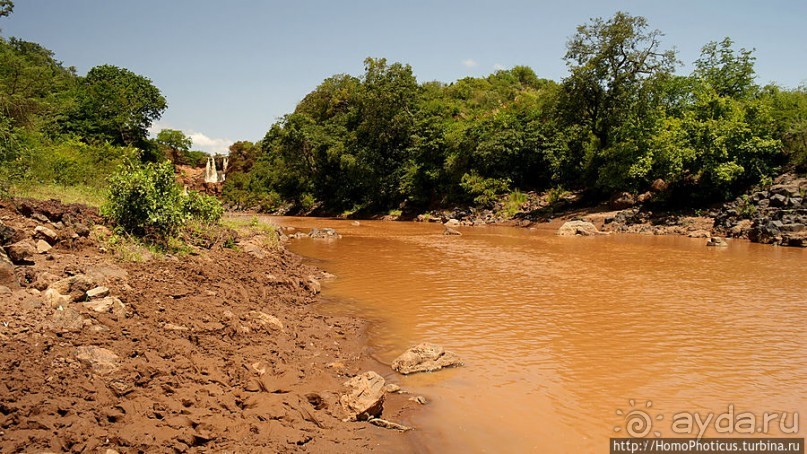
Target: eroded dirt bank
{"points": [[219, 351]]}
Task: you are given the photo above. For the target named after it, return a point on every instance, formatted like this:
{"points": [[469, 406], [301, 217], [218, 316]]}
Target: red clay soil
{"points": [[194, 359]]}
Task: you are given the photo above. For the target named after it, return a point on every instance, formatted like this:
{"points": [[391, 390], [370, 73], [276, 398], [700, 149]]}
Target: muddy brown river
{"points": [[567, 340]]}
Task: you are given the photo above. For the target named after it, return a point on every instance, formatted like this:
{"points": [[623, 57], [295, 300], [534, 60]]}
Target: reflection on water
{"points": [[558, 333]]}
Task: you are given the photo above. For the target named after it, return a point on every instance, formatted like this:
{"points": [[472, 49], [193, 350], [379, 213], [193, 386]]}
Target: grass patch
{"points": [[254, 227], [86, 195]]}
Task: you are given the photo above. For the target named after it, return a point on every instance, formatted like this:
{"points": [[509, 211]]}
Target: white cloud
{"points": [[499, 67], [201, 141], [470, 63], [209, 144]]}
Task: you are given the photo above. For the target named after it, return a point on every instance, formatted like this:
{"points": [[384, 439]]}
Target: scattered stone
{"points": [[65, 319], [778, 200], [365, 397], [572, 228], [450, 231], [452, 223], [55, 299], [108, 304], [313, 285], [21, 251], [42, 247], [267, 321], [621, 201], [419, 400], [392, 388], [100, 360], [173, 327], [46, 233], [716, 241], [97, 292], [253, 250], [355, 223], [7, 277], [389, 424], [425, 357], [324, 233], [7, 234], [75, 287]]}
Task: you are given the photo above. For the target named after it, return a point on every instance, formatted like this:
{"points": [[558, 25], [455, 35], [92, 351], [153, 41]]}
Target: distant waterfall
{"points": [[212, 175]]}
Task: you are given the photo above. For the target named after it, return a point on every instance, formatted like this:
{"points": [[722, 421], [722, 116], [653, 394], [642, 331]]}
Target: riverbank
{"points": [[771, 214], [219, 349]]}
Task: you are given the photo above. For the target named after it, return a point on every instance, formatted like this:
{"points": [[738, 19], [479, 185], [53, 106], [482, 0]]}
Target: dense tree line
{"points": [[621, 119]]}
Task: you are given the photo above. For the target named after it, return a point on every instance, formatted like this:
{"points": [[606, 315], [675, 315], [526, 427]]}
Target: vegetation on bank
{"points": [[621, 119], [385, 143]]}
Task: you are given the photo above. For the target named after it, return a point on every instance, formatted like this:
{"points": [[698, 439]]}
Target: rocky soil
{"points": [[216, 351]]}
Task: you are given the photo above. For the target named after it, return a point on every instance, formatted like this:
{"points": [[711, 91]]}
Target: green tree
{"points": [[6, 7], [174, 145], [729, 72], [609, 62], [116, 105]]}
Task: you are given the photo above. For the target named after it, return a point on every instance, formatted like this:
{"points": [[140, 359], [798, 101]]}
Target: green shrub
{"points": [[483, 190], [146, 201], [203, 207]]}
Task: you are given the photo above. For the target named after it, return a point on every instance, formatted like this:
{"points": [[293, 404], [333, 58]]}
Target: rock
{"points": [[21, 251], [324, 233], [365, 397], [419, 400], [621, 201], [7, 234], [392, 388], [46, 234], [450, 231], [100, 360], [5, 292], [313, 285], [795, 202], [389, 424], [778, 200], [425, 357], [452, 223], [97, 292], [7, 277], [81, 229], [355, 223], [699, 234], [42, 247], [55, 299], [74, 287], [108, 304], [716, 241], [65, 319], [659, 186], [253, 250], [644, 197], [267, 321], [572, 228]]}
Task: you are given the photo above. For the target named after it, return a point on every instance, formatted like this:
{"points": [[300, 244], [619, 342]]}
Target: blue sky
{"points": [[230, 69]]}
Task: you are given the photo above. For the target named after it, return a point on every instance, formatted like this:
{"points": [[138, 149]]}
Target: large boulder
{"points": [[573, 228], [74, 287], [21, 251], [365, 397], [425, 357]]}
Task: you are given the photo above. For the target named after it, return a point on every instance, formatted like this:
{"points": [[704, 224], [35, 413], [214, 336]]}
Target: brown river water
{"points": [[563, 337]]}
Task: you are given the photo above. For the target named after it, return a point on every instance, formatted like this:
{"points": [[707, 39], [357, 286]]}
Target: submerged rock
{"points": [[716, 241], [365, 397], [572, 228], [450, 231], [425, 357]]}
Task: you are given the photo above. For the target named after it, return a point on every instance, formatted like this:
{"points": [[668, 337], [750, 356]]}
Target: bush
{"points": [[146, 201], [203, 207]]}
